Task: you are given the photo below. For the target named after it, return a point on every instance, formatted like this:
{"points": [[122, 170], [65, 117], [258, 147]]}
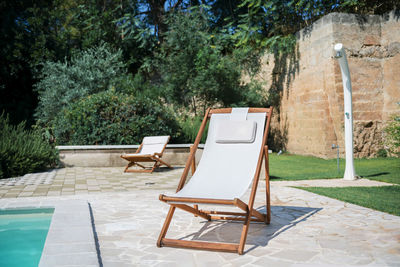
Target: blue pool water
{"points": [[22, 236]]}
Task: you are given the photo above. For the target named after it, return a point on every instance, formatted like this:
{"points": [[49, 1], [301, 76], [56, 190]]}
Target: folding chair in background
{"points": [[151, 150], [230, 163]]}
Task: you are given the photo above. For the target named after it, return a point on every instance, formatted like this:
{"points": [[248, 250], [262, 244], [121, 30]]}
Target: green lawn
{"points": [[295, 167], [380, 169], [382, 198], [385, 198]]}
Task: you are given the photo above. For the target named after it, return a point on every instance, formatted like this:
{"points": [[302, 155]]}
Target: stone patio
{"points": [[306, 229]]}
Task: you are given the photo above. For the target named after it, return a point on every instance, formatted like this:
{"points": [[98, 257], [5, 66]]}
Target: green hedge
{"points": [[23, 151], [109, 117]]}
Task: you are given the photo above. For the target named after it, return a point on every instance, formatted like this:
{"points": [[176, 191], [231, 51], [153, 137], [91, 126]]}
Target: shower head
{"points": [[338, 48]]}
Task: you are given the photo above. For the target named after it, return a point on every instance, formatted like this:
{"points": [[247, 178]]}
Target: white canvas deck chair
{"points": [[231, 162], [151, 150]]}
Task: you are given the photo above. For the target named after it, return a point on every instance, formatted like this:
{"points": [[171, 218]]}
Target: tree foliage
{"points": [[90, 71], [196, 71], [34, 32], [37, 31], [272, 24]]}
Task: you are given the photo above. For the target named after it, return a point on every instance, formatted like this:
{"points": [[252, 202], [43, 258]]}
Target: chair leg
{"points": [[243, 237], [226, 247], [193, 164], [140, 165], [130, 164], [166, 164], [268, 192], [154, 167], [165, 226]]}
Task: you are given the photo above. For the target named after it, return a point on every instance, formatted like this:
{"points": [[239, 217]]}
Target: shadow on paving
{"points": [[166, 169], [282, 219]]}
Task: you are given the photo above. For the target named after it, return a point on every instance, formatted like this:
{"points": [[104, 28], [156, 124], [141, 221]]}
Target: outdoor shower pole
{"points": [[349, 173]]}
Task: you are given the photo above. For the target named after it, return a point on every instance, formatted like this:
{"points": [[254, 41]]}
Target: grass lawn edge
{"points": [[381, 198]]}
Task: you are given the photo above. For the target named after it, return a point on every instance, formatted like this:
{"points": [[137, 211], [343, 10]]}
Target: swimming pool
{"points": [[22, 235]]}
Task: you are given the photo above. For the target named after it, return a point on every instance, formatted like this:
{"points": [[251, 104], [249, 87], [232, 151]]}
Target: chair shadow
{"points": [[375, 174], [166, 169], [282, 219]]}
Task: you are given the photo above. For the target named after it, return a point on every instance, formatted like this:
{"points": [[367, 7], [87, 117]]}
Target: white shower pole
{"points": [[349, 173]]}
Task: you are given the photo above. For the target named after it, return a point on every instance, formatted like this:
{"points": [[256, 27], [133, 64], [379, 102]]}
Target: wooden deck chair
{"points": [[151, 150], [231, 162]]}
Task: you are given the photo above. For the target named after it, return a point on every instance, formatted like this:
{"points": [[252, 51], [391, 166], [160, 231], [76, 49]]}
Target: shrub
{"points": [[91, 71], [190, 127], [382, 153], [393, 134], [113, 118], [23, 151]]}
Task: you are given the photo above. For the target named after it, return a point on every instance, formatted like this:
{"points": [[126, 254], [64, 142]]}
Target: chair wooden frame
{"points": [[135, 158], [248, 214]]}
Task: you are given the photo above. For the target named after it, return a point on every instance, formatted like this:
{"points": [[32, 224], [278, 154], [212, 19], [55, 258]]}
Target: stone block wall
{"points": [[309, 81]]}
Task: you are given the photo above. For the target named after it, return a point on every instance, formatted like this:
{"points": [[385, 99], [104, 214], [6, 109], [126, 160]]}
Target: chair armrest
{"points": [[139, 148]]}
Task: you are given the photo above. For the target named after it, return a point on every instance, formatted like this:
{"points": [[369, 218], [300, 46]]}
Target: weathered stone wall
{"points": [[310, 84]]}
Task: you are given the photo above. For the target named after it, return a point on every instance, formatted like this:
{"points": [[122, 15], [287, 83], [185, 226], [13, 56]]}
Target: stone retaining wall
{"points": [[310, 84], [109, 156]]}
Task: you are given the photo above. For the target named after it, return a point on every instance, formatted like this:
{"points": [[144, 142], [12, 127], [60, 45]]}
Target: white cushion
{"points": [[228, 131], [152, 140], [239, 114]]}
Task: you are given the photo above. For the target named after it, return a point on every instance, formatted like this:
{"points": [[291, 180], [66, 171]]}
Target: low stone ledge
{"points": [[109, 155], [113, 147]]}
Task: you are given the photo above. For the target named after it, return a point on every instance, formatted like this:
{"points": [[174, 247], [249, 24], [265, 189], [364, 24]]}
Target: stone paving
{"points": [[83, 180], [306, 229]]}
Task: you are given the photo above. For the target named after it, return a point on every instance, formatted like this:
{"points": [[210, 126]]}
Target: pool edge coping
{"points": [[71, 237]]}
